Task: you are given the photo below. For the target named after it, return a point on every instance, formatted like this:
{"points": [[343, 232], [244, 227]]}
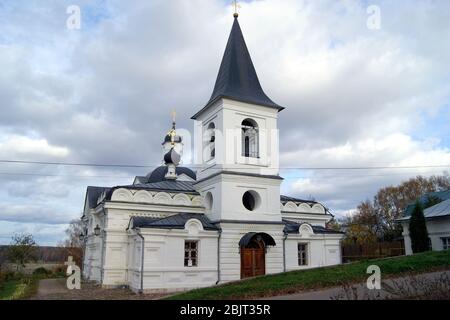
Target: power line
{"points": [[325, 176], [200, 166]]}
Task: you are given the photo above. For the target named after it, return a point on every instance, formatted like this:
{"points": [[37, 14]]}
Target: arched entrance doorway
{"points": [[253, 254]]}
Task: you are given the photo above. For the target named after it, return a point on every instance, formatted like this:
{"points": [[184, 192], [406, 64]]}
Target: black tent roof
{"points": [[237, 78]]}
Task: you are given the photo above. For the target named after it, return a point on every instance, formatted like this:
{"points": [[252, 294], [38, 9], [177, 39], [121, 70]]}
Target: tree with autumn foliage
{"points": [[376, 220]]}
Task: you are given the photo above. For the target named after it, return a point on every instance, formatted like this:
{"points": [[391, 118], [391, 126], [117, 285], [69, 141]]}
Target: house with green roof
{"points": [[437, 220]]}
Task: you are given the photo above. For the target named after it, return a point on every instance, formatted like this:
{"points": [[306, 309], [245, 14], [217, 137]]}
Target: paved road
{"points": [[361, 292]]}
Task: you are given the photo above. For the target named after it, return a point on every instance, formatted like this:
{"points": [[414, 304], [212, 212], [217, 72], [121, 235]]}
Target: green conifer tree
{"points": [[418, 230]]}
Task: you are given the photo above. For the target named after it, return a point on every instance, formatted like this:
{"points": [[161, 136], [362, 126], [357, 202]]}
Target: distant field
{"points": [[30, 267], [295, 281]]}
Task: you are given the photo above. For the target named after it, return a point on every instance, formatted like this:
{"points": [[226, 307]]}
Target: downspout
{"points": [[284, 251], [102, 271], [218, 256], [138, 232]]}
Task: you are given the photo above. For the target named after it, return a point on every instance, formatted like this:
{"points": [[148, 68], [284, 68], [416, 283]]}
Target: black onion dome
{"points": [[168, 138], [159, 174], [172, 157]]}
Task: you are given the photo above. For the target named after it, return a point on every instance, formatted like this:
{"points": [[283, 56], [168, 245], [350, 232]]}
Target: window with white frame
{"points": [[445, 243], [191, 253], [302, 254], [250, 139]]}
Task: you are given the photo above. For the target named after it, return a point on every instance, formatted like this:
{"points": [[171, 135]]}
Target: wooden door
{"points": [[253, 262]]}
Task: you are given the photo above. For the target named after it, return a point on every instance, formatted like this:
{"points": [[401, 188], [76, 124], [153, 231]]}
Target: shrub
{"points": [[7, 276], [41, 271], [60, 272]]}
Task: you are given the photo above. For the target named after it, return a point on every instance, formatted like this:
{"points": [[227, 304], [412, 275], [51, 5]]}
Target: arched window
{"points": [[250, 139], [210, 142]]}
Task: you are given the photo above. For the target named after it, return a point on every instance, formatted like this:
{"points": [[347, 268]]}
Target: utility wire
{"points": [[200, 166], [325, 176]]}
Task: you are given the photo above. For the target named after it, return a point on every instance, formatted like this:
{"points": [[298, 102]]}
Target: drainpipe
{"points": [[284, 251], [102, 271], [138, 232], [218, 256]]}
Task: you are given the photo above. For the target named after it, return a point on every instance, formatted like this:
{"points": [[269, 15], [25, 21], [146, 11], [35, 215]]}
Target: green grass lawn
{"points": [[18, 289], [295, 281]]}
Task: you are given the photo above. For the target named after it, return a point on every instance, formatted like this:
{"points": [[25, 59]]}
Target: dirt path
{"points": [[51, 287], [55, 289]]}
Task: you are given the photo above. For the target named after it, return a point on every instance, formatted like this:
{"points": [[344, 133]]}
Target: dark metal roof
{"points": [[159, 174], [293, 227], [237, 78], [287, 199], [246, 239], [168, 185], [92, 195], [173, 222]]}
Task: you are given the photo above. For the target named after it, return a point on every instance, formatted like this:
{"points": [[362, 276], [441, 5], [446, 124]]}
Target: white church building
{"points": [[177, 229]]}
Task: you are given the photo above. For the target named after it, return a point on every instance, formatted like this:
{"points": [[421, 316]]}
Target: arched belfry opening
{"points": [[253, 248], [209, 142], [250, 139], [212, 140]]}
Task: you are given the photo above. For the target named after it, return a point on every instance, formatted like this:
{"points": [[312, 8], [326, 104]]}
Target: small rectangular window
{"points": [[302, 254], [445, 243], [190, 253]]}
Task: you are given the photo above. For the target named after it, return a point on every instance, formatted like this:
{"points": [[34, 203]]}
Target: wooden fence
{"points": [[355, 252], [48, 257]]}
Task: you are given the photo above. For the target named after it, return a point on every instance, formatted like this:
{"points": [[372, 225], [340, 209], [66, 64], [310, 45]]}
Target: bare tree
{"points": [[22, 249], [76, 227]]}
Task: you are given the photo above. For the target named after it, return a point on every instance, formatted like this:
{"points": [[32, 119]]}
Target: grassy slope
{"points": [[19, 288], [295, 281]]}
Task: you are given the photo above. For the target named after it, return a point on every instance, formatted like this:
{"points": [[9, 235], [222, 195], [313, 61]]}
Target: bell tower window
{"points": [[250, 139], [210, 142]]}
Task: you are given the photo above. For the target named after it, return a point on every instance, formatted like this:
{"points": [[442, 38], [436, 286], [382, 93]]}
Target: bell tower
{"points": [[236, 137]]}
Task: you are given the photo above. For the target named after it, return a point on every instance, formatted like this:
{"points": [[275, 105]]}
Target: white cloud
{"points": [[14, 147], [342, 190]]}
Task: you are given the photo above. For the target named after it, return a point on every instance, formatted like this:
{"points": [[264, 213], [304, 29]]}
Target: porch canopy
{"points": [[266, 238]]}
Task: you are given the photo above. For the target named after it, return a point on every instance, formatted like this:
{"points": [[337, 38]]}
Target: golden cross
{"points": [[236, 7], [172, 132], [174, 116]]}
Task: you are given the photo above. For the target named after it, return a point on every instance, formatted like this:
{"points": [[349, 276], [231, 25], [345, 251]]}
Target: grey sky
{"points": [[103, 94]]}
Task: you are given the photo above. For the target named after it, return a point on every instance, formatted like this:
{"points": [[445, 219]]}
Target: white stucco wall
{"points": [[437, 229], [227, 192], [322, 251], [164, 268]]}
